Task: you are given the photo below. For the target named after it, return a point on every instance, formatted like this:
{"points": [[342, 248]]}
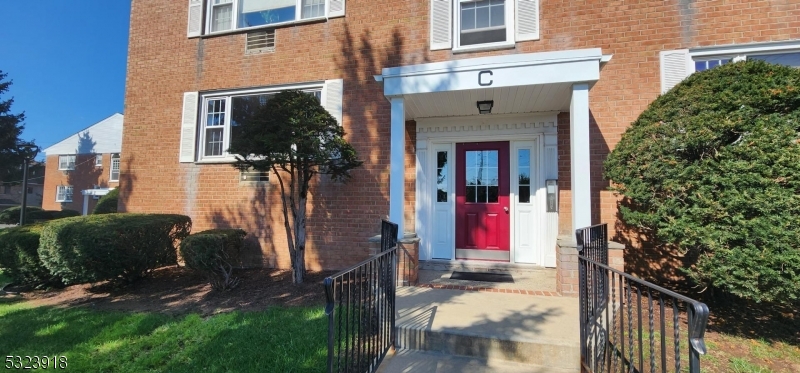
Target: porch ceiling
{"points": [[507, 100], [518, 83]]}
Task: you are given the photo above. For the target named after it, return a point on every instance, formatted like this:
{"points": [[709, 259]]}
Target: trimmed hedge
{"points": [[19, 255], [107, 203], [209, 252], [11, 214], [712, 169], [115, 247]]}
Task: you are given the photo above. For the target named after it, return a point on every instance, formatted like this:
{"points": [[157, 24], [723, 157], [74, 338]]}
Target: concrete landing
{"points": [[534, 330], [526, 277]]}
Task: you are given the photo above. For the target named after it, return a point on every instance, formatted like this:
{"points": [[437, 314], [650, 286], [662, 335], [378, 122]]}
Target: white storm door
{"points": [[524, 183], [443, 200]]}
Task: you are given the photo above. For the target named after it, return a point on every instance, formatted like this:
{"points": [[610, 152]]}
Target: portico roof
{"points": [[519, 83]]}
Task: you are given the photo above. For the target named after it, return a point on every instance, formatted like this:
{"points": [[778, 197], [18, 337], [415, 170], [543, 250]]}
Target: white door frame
{"points": [[441, 134]]}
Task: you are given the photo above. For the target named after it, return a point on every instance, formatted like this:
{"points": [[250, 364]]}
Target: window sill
{"points": [[483, 48], [70, 201], [225, 160], [261, 27]]}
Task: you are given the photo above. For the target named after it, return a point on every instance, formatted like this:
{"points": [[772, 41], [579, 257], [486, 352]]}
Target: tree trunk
{"points": [[299, 254]]}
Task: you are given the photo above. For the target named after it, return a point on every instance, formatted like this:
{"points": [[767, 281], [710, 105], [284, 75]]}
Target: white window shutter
{"points": [[332, 98], [195, 26], [441, 24], [188, 127], [527, 14], [335, 8], [676, 65]]}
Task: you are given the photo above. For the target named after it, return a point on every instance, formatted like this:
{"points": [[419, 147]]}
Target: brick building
{"points": [[559, 81], [83, 167]]}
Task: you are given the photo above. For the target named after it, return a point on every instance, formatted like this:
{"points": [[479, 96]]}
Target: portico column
{"points": [[85, 204], [580, 165], [397, 160]]}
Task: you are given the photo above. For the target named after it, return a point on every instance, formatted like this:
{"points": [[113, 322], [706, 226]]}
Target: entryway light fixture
{"points": [[485, 107]]}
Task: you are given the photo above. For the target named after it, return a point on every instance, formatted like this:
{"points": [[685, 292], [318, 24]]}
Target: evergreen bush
{"points": [[19, 255], [107, 203], [11, 214], [712, 168], [211, 252], [115, 247]]}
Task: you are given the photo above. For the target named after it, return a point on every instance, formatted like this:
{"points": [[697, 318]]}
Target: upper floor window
{"points": [[228, 15], [678, 64], [66, 162], [482, 24], [98, 160], [220, 115], [64, 193], [114, 176]]}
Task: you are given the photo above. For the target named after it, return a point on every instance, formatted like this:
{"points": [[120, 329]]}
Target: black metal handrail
{"points": [[612, 302], [361, 312]]}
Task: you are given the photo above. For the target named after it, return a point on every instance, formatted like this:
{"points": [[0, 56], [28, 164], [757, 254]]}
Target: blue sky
{"points": [[67, 60]]}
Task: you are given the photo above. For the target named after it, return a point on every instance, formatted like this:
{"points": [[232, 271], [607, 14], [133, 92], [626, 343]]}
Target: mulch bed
{"points": [[176, 290]]}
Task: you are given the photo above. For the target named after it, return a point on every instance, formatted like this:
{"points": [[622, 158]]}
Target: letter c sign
{"points": [[483, 81]]}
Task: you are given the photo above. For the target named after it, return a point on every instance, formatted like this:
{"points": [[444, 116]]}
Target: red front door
{"points": [[482, 202]]}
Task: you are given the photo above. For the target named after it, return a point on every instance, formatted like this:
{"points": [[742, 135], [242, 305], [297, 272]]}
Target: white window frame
{"points": [[115, 166], [98, 160], [64, 191], [235, 18], [510, 28], [735, 52], [226, 129], [70, 162]]}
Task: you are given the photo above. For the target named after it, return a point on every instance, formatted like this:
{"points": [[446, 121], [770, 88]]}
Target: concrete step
{"points": [[409, 361], [526, 329]]}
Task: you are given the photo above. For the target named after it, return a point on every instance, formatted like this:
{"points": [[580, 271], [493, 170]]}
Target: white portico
{"points": [[483, 180]]}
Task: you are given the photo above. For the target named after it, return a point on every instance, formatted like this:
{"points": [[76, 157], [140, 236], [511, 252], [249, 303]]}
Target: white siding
{"points": [[102, 137]]}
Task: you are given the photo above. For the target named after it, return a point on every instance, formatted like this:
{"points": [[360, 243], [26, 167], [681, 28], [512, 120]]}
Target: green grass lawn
{"points": [[276, 340]]}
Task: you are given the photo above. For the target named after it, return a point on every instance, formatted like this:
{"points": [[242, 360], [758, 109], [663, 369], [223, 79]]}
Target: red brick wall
{"points": [[163, 63], [85, 176]]}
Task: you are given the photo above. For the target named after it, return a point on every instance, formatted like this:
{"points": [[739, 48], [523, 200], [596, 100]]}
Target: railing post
{"points": [[329, 311]]}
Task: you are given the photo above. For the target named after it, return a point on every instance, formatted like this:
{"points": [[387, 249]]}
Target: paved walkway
{"points": [[499, 332]]}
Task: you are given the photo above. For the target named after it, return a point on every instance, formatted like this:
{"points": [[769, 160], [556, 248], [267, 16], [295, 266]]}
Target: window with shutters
{"points": [[64, 193], [211, 119], [222, 114], [231, 15], [464, 25], [676, 65]]}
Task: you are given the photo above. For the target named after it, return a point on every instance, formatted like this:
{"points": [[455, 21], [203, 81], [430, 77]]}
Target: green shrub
{"points": [[108, 203], [46, 215], [116, 247], [19, 255], [210, 253], [11, 214], [712, 168], [34, 214]]}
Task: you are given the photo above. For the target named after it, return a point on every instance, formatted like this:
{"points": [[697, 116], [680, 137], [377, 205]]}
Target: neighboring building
{"points": [[562, 80], [83, 167], [11, 191]]}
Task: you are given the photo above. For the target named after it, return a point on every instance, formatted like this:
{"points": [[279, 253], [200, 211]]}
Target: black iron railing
{"points": [[361, 311], [388, 235], [630, 325]]}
